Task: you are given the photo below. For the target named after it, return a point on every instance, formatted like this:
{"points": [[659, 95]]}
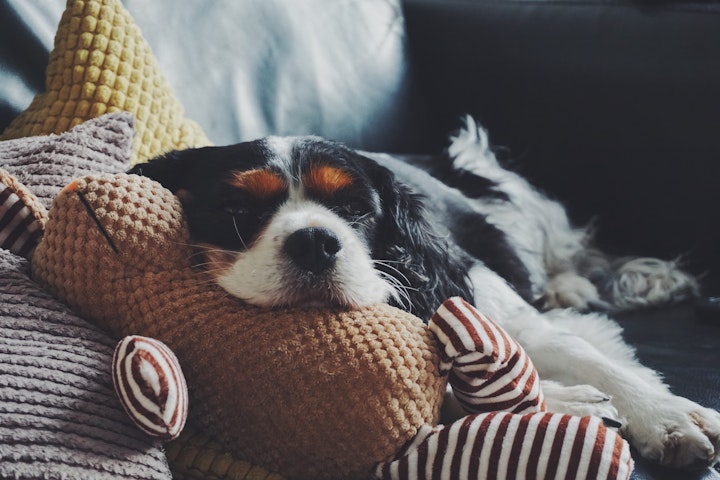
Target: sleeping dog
{"points": [[302, 221]]}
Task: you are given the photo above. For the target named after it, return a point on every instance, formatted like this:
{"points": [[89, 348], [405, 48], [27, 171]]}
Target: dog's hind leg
{"points": [[587, 349]]}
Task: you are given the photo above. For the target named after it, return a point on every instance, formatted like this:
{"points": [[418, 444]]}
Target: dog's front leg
{"points": [[586, 349], [577, 349]]}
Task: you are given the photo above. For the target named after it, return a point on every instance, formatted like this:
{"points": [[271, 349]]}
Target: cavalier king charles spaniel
{"points": [[302, 221]]}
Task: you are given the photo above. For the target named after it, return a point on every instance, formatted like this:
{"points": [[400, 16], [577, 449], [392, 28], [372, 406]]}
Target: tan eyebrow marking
{"points": [[258, 182], [326, 180]]}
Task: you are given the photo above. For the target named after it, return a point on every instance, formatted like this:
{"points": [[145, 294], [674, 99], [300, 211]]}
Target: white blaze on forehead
{"points": [[280, 154], [280, 151]]}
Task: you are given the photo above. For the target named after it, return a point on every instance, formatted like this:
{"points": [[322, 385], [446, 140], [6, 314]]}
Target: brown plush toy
{"points": [[311, 393], [270, 385]]}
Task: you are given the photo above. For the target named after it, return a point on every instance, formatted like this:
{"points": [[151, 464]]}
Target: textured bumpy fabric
{"points": [[59, 416], [196, 457], [101, 64], [45, 164], [306, 393]]}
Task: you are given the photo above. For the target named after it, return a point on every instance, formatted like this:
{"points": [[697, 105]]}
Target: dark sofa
{"points": [[611, 106]]}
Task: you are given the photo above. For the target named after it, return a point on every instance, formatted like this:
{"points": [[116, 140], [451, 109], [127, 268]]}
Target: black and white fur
{"points": [[461, 225]]}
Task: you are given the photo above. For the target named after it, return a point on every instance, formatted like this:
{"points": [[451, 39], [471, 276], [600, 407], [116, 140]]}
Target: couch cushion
{"points": [[59, 415], [102, 64], [45, 164], [258, 67]]}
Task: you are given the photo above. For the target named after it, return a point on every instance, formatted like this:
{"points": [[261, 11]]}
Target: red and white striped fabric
{"points": [[151, 386], [19, 229], [513, 438], [489, 371], [506, 446]]}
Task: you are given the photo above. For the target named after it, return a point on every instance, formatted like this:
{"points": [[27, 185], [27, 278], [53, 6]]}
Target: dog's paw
{"points": [[677, 433], [570, 290], [579, 400]]}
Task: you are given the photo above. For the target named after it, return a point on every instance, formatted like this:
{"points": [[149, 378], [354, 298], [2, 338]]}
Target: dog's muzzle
{"points": [[313, 249]]}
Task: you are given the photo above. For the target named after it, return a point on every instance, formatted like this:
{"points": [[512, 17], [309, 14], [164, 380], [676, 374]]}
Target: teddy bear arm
{"points": [[22, 217], [488, 370]]}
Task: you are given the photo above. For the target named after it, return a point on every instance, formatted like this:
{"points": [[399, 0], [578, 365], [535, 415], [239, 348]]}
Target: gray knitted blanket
{"points": [[59, 415]]}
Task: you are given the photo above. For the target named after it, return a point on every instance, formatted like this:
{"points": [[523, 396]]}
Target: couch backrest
{"points": [[611, 105], [245, 69]]}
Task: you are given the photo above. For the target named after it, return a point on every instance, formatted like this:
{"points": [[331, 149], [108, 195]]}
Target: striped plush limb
{"points": [[151, 386], [510, 436], [506, 446], [22, 217], [489, 371]]}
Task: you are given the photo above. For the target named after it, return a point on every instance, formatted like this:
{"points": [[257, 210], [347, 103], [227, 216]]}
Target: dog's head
{"points": [[284, 221], [302, 221]]}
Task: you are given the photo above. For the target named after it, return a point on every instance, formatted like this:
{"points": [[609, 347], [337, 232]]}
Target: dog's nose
{"points": [[313, 249]]}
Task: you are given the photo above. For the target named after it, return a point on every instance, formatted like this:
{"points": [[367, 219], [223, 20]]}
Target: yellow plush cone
{"points": [[102, 64]]}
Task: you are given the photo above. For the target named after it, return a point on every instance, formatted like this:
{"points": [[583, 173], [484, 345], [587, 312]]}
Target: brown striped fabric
{"points": [[488, 370], [506, 446]]}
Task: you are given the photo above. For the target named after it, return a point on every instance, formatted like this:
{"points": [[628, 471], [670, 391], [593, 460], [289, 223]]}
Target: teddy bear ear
{"points": [[22, 217]]}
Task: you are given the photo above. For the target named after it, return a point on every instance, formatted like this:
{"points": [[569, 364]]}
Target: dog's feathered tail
{"points": [[568, 257]]}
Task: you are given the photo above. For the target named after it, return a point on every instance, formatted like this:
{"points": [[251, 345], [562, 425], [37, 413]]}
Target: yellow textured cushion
{"points": [[101, 64], [196, 457]]}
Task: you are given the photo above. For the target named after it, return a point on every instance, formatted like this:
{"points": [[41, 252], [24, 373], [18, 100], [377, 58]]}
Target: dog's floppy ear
{"points": [[171, 170], [416, 255], [184, 169]]}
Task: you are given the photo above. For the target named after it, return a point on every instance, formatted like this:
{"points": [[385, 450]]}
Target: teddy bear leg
{"points": [[502, 445], [488, 370]]}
